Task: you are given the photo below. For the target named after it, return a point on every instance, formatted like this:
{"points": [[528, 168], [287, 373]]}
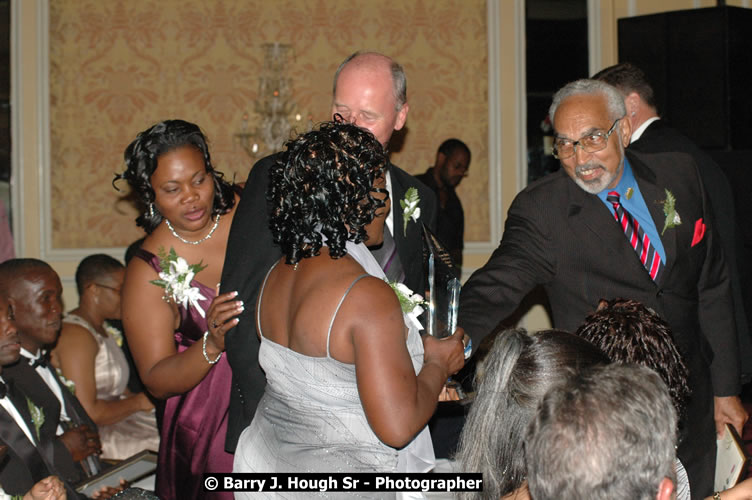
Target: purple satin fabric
{"points": [[195, 423]]}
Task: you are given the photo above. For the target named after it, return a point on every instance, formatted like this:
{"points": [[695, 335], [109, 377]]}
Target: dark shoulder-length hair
{"points": [[142, 156], [322, 184]]}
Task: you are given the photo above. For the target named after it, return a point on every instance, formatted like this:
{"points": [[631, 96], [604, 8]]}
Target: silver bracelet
{"points": [[203, 349]]}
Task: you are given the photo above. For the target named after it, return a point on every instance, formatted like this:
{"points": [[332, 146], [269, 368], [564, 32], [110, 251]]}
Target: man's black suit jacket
{"points": [[32, 385], [659, 137], [23, 464], [566, 240], [251, 252]]}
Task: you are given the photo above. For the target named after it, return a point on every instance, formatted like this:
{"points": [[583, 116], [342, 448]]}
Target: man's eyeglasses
{"points": [[590, 143]]}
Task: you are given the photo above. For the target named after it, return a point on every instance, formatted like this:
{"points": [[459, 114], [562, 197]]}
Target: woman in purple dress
{"points": [[174, 321]]}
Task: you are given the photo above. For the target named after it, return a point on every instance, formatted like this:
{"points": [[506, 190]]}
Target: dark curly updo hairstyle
{"points": [[322, 184], [629, 332], [142, 155]]}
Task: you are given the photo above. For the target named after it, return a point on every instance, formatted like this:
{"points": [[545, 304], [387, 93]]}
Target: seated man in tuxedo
{"points": [[369, 91], [615, 223], [22, 463], [607, 433], [68, 437]]}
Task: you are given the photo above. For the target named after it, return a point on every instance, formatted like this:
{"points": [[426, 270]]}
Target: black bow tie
{"points": [[3, 389], [42, 360]]}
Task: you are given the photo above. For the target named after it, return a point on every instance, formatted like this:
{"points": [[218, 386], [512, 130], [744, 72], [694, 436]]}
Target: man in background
{"points": [[605, 434], [452, 163], [370, 90], [651, 134]]}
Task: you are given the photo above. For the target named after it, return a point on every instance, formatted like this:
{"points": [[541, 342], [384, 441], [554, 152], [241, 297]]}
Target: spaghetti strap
{"points": [[331, 324], [261, 294]]}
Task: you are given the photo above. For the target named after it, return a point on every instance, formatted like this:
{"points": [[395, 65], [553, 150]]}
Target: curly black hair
{"points": [[629, 332], [322, 184], [142, 156]]}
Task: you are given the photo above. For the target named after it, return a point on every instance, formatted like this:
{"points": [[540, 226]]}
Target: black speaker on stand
{"points": [[699, 63]]}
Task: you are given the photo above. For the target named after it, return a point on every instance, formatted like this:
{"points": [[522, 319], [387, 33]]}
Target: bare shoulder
{"points": [[75, 339]]}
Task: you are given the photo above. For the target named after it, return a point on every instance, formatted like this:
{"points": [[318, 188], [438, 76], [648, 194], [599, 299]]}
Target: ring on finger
{"points": [[214, 323]]}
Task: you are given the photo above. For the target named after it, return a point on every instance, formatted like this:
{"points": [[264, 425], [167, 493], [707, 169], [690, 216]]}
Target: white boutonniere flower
{"points": [[37, 416], [410, 208], [176, 277], [410, 302], [114, 333], [669, 210], [68, 383]]}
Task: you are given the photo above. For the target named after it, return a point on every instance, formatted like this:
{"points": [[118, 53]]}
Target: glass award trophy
{"points": [[442, 296], [443, 290]]}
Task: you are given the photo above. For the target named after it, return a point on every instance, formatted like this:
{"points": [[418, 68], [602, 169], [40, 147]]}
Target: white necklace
{"points": [[175, 234]]}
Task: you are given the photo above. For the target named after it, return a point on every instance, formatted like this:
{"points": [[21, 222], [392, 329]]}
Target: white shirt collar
{"points": [[638, 133], [390, 215], [32, 357]]}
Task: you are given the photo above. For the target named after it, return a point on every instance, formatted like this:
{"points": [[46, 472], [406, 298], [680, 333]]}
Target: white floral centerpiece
{"points": [[176, 277]]}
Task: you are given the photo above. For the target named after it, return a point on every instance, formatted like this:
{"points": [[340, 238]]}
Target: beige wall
{"points": [[88, 75], [117, 67]]}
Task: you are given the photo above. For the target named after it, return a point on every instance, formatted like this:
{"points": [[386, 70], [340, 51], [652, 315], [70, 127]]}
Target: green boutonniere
{"points": [[37, 416], [669, 210]]}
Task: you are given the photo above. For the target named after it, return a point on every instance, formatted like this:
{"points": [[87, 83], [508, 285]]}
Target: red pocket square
{"points": [[699, 232]]}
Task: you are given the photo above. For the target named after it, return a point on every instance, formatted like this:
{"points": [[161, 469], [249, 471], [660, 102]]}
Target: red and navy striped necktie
{"points": [[637, 237]]}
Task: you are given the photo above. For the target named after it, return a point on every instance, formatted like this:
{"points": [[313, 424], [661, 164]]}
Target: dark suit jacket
{"points": [[24, 464], [565, 239], [659, 137], [251, 252], [32, 385]]}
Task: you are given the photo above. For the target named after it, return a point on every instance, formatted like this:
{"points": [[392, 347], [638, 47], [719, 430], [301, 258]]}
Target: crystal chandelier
{"points": [[274, 107]]}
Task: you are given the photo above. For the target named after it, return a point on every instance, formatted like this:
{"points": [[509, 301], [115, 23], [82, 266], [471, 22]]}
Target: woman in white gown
{"points": [[89, 354], [350, 384]]}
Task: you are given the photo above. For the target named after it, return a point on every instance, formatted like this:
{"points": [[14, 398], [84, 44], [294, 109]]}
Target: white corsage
{"points": [[410, 302], [68, 383], [410, 208], [114, 333], [176, 277]]}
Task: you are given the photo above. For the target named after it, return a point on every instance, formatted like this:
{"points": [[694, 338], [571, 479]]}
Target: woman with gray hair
{"points": [[515, 375]]}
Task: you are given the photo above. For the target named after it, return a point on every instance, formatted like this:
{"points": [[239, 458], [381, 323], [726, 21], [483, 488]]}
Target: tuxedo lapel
{"points": [[16, 439], [73, 407], [35, 388], [587, 212], [398, 193], [404, 240]]}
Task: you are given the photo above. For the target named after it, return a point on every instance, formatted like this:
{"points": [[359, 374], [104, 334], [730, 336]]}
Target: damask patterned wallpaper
{"points": [[117, 67]]}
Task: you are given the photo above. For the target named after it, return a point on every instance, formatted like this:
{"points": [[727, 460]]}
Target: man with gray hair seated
{"points": [[606, 433]]}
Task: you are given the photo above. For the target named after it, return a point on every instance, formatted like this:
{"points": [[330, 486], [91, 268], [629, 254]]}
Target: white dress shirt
{"points": [[49, 379]]}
